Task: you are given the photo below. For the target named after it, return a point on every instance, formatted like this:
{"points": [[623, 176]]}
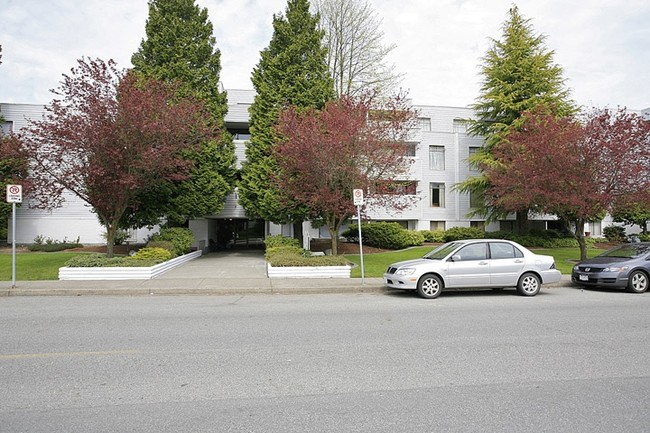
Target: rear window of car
{"points": [[502, 250], [628, 251]]}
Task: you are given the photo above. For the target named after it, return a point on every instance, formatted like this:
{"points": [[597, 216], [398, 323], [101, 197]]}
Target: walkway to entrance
{"points": [[237, 264]]}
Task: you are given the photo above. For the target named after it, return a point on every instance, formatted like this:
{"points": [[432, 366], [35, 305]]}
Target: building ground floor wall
{"points": [[75, 221]]}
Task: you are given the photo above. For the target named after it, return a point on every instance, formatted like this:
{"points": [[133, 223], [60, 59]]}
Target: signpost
{"points": [[14, 195], [357, 194]]}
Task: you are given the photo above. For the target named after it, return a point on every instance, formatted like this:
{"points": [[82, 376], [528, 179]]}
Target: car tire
{"points": [[529, 284], [638, 282], [429, 286]]}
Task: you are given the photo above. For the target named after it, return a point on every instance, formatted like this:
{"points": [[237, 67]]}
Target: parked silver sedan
{"points": [[474, 263]]}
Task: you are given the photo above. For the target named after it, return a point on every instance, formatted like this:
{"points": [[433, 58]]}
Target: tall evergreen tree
{"points": [[179, 46], [518, 75], [292, 71]]}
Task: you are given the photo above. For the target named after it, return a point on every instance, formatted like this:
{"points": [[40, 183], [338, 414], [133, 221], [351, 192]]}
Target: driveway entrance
{"points": [[234, 264]]}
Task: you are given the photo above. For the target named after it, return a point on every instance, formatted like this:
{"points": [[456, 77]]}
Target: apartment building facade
{"points": [[440, 148]]}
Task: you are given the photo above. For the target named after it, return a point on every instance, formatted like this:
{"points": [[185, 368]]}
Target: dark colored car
{"points": [[625, 266]]}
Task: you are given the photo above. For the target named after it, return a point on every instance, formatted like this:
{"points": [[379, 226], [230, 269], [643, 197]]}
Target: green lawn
{"points": [[34, 266], [45, 266], [375, 264]]}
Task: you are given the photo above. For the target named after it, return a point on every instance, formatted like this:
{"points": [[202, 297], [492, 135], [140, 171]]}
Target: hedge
{"points": [[389, 235]]}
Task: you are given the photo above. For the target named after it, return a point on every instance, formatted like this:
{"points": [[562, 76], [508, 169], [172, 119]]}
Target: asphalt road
{"points": [[564, 361]]}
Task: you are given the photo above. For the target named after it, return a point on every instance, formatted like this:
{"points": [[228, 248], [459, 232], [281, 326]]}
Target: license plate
{"points": [[583, 277]]}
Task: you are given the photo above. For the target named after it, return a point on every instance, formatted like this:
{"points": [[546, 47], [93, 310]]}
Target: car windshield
{"points": [[627, 251], [442, 251]]}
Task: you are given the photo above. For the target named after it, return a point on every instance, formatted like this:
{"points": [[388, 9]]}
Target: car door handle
{"points": [[482, 263]]}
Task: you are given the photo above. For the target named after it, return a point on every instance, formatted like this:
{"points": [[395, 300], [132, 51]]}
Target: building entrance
{"points": [[239, 233]]}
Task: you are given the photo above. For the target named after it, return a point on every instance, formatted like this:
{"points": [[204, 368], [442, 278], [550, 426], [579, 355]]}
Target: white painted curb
{"points": [[308, 271], [138, 273]]}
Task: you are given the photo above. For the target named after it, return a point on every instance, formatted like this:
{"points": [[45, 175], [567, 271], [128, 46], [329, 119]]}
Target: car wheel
{"points": [[528, 285], [637, 282], [429, 286]]}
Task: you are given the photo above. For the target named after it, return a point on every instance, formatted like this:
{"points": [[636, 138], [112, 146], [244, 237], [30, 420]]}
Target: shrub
{"points": [[119, 238], [163, 244], [101, 261], [283, 250], [644, 237], [182, 238], [457, 233], [279, 240], [49, 245], [152, 253], [614, 233], [288, 253], [389, 235], [435, 236]]}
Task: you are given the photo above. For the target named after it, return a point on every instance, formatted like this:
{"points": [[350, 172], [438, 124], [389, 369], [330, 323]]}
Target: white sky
{"points": [[603, 45]]}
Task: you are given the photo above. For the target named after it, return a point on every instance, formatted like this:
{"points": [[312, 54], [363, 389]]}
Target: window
{"points": [[437, 158], [477, 224], [6, 127], [502, 250], [424, 123], [473, 252], [472, 151], [476, 199], [436, 225], [398, 187], [460, 126], [437, 195], [411, 148]]}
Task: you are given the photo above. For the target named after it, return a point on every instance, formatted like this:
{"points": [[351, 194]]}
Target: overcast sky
{"points": [[603, 45]]}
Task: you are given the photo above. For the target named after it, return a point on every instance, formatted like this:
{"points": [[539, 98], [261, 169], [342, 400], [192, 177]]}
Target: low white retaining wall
{"points": [[308, 271], [139, 273]]}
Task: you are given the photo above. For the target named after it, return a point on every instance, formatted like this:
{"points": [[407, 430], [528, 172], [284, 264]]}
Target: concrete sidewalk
{"points": [[237, 272], [232, 273]]}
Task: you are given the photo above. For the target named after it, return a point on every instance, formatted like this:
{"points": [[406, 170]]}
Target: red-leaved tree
{"points": [[351, 143], [109, 137], [576, 170]]}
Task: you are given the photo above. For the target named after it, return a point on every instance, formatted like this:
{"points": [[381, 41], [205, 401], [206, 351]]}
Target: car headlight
{"points": [[616, 269], [576, 268], [405, 271]]}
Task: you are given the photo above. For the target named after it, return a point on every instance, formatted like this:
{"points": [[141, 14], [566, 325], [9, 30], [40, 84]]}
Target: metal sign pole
{"points": [[360, 245], [13, 245], [14, 195], [357, 195]]}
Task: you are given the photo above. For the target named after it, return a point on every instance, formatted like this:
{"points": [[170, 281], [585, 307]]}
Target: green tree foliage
{"points": [[292, 71], [518, 76], [180, 47], [633, 214]]}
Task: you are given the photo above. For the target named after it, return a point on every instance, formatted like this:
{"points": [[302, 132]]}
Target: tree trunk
{"points": [[580, 236], [335, 241], [522, 222], [333, 226], [297, 232], [111, 230]]}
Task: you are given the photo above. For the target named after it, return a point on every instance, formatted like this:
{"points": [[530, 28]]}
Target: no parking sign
{"points": [[14, 193], [358, 197]]}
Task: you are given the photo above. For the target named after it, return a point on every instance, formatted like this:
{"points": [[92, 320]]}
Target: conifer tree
{"points": [[518, 76], [179, 46], [292, 71]]}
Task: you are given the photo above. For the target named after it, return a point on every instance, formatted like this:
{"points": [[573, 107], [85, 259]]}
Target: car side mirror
{"points": [[456, 258]]}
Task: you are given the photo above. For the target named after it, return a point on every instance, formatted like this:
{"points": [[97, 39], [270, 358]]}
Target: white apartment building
{"points": [[440, 148]]}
